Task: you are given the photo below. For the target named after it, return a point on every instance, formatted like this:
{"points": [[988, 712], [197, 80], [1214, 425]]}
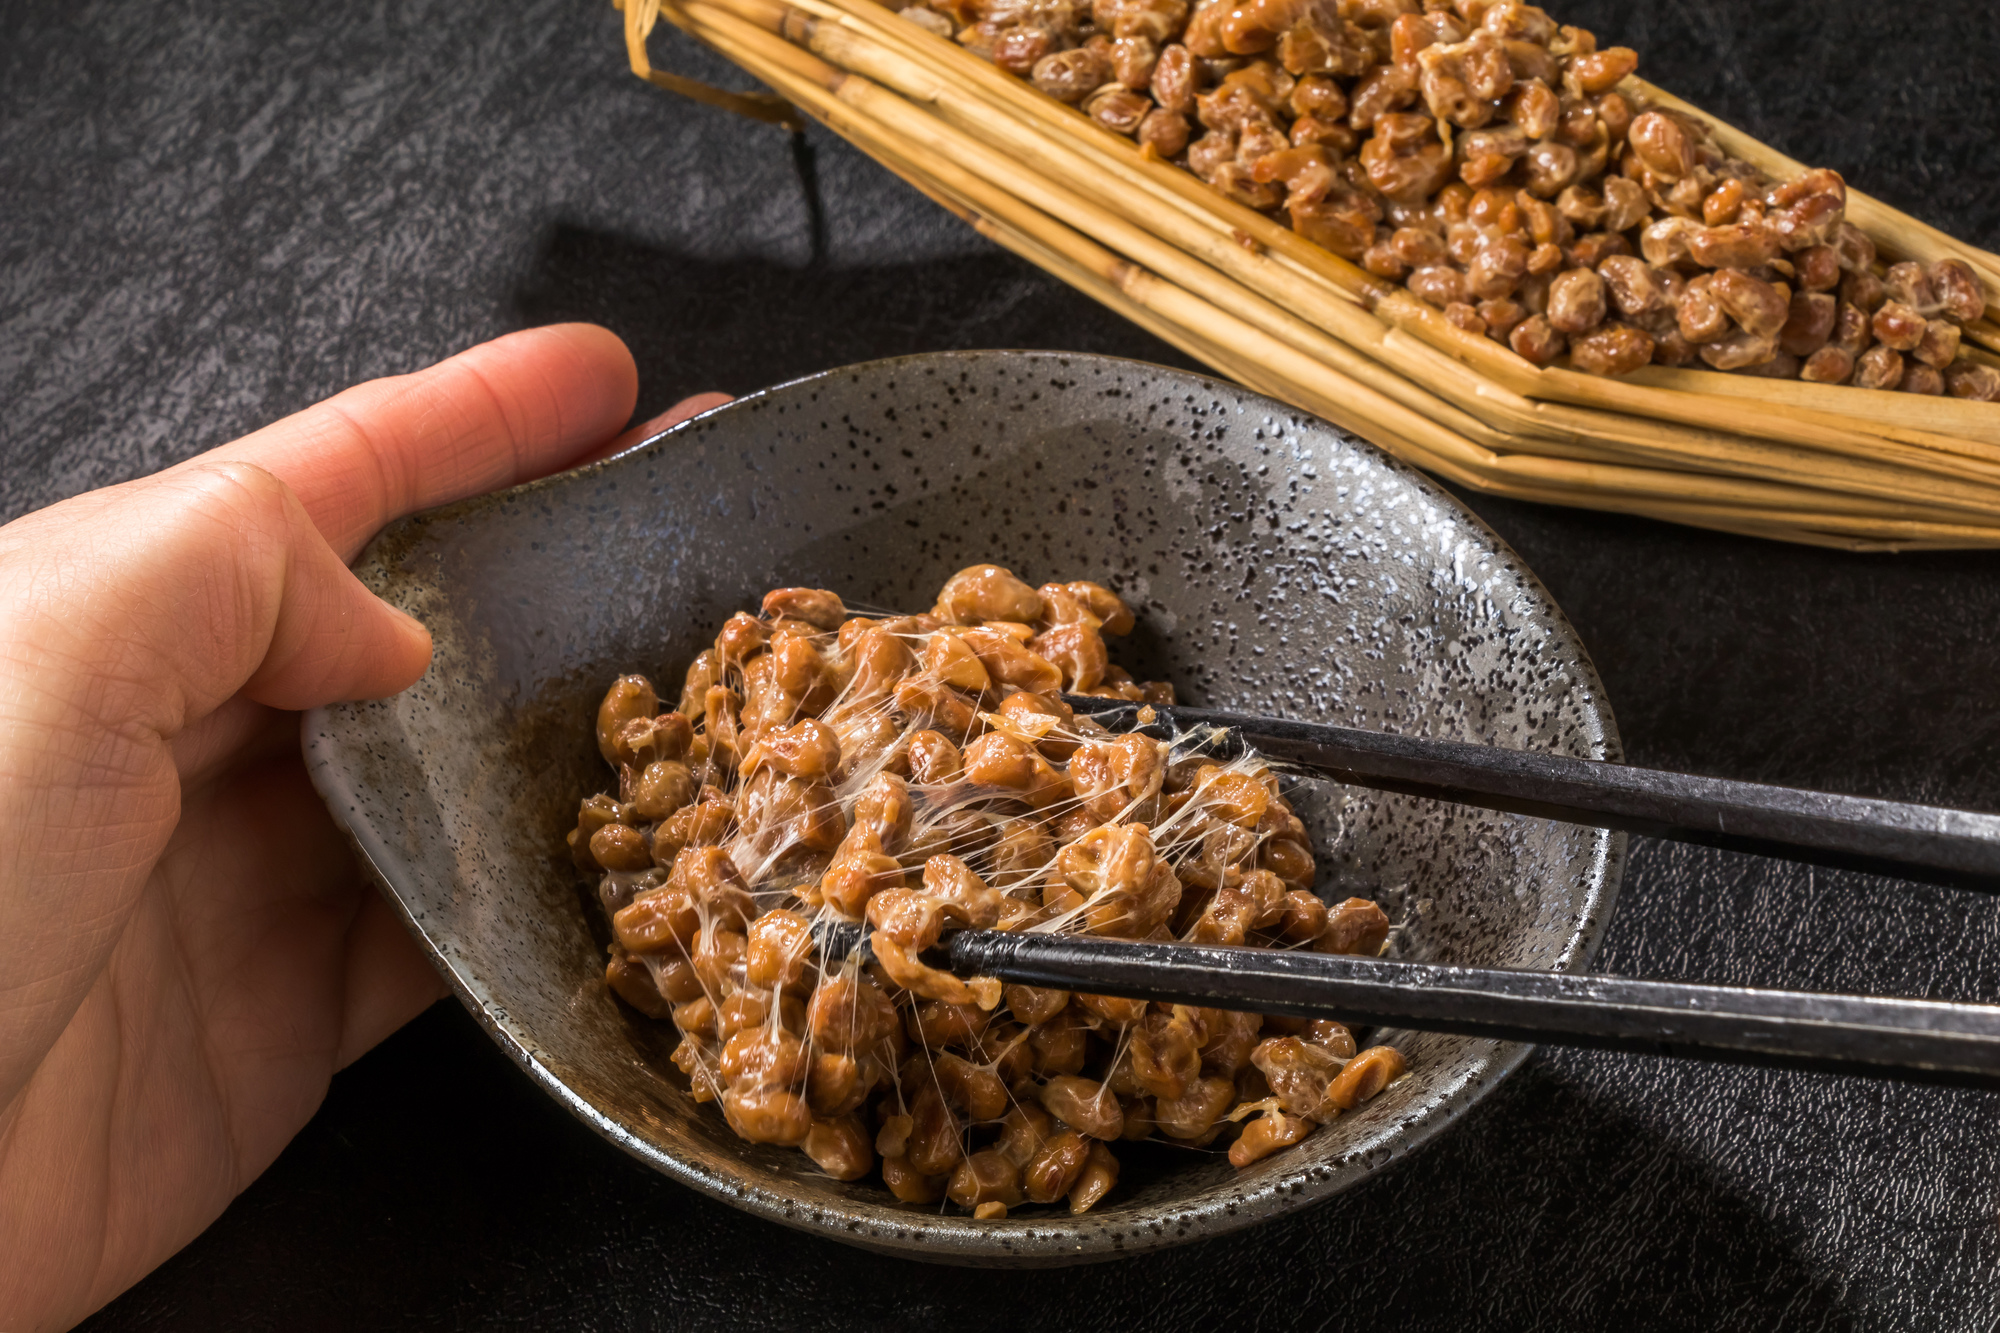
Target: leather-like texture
{"points": [[216, 213]]}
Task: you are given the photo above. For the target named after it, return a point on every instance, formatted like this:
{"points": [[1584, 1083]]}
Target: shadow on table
{"points": [[1778, 663], [744, 324], [438, 1187]]}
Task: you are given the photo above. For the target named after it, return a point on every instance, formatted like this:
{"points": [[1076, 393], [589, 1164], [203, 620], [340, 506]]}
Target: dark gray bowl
{"points": [[1276, 563]]}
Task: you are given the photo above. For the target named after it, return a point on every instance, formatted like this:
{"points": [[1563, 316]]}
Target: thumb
{"points": [[208, 581], [126, 616], [331, 639]]}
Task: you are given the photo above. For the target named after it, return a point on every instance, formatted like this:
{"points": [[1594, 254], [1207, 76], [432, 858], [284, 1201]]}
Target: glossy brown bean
{"points": [[1005, 1049], [1938, 347], [1959, 292], [1265, 1135], [807, 751], [906, 916], [1971, 380], [1083, 1104], [661, 789], [1232, 1036], [909, 1185], [1611, 349], [780, 943], [934, 759], [936, 1145], [1741, 245], [1059, 1048], [1758, 307], [631, 982], [1355, 926], [1035, 1004], [973, 1089], [1118, 108], [716, 956], [930, 705], [1024, 1131], [1331, 1037], [859, 870], [849, 1014], [1898, 327], [1232, 796], [1176, 79], [1919, 377], [620, 847], [1739, 350], [949, 660], [696, 1017], [741, 638], [999, 760], [984, 1177], [1165, 1052], [1290, 860], [1809, 326], [1077, 650], [1098, 1177], [834, 1084], [765, 1114], [938, 1023], [988, 592], [702, 673], [593, 814], [1829, 365], [645, 739], [1537, 340], [763, 1055], [1054, 1170], [840, 1148], [629, 699], [1818, 268], [1879, 367], [1910, 283], [1195, 1112], [1305, 917], [1299, 1073], [1662, 143], [1365, 1075], [1634, 287], [1864, 290], [674, 976], [1600, 71], [744, 1009], [816, 606]]}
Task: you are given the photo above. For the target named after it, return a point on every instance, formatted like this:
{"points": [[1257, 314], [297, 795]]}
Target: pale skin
{"points": [[188, 951]]}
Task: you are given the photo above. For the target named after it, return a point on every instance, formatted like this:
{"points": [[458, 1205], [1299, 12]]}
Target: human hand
{"points": [[188, 950]]}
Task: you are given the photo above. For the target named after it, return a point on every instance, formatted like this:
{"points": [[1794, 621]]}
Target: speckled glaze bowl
{"points": [[1275, 562]]}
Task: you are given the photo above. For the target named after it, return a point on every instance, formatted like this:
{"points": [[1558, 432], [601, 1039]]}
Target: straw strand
{"points": [[1839, 467]]}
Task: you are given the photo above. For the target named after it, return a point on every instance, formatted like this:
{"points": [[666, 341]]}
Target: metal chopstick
{"points": [[1925, 1041], [1921, 842]]}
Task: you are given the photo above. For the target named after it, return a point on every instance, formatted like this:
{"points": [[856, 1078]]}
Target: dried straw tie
{"points": [[1828, 465]]}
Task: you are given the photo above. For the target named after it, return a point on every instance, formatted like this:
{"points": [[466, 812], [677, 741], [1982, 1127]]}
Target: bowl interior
{"points": [[1276, 564]]}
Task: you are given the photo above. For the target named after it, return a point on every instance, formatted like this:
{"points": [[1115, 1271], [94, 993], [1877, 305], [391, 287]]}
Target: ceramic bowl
{"points": [[1276, 563]]}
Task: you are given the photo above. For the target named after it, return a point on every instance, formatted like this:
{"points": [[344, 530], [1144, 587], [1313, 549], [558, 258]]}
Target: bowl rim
{"points": [[943, 1238]]}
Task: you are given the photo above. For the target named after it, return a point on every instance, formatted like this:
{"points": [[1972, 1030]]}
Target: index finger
{"points": [[503, 412]]}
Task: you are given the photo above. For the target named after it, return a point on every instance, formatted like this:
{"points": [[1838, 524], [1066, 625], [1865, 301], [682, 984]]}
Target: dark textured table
{"points": [[213, 214]]}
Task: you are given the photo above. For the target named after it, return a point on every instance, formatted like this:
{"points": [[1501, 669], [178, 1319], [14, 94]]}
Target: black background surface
{"points": [[212, 214]]}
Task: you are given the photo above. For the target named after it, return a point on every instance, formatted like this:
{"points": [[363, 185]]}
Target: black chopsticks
{"points": [[1930, 1041], [1924, 1041], [1921, 842]]}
